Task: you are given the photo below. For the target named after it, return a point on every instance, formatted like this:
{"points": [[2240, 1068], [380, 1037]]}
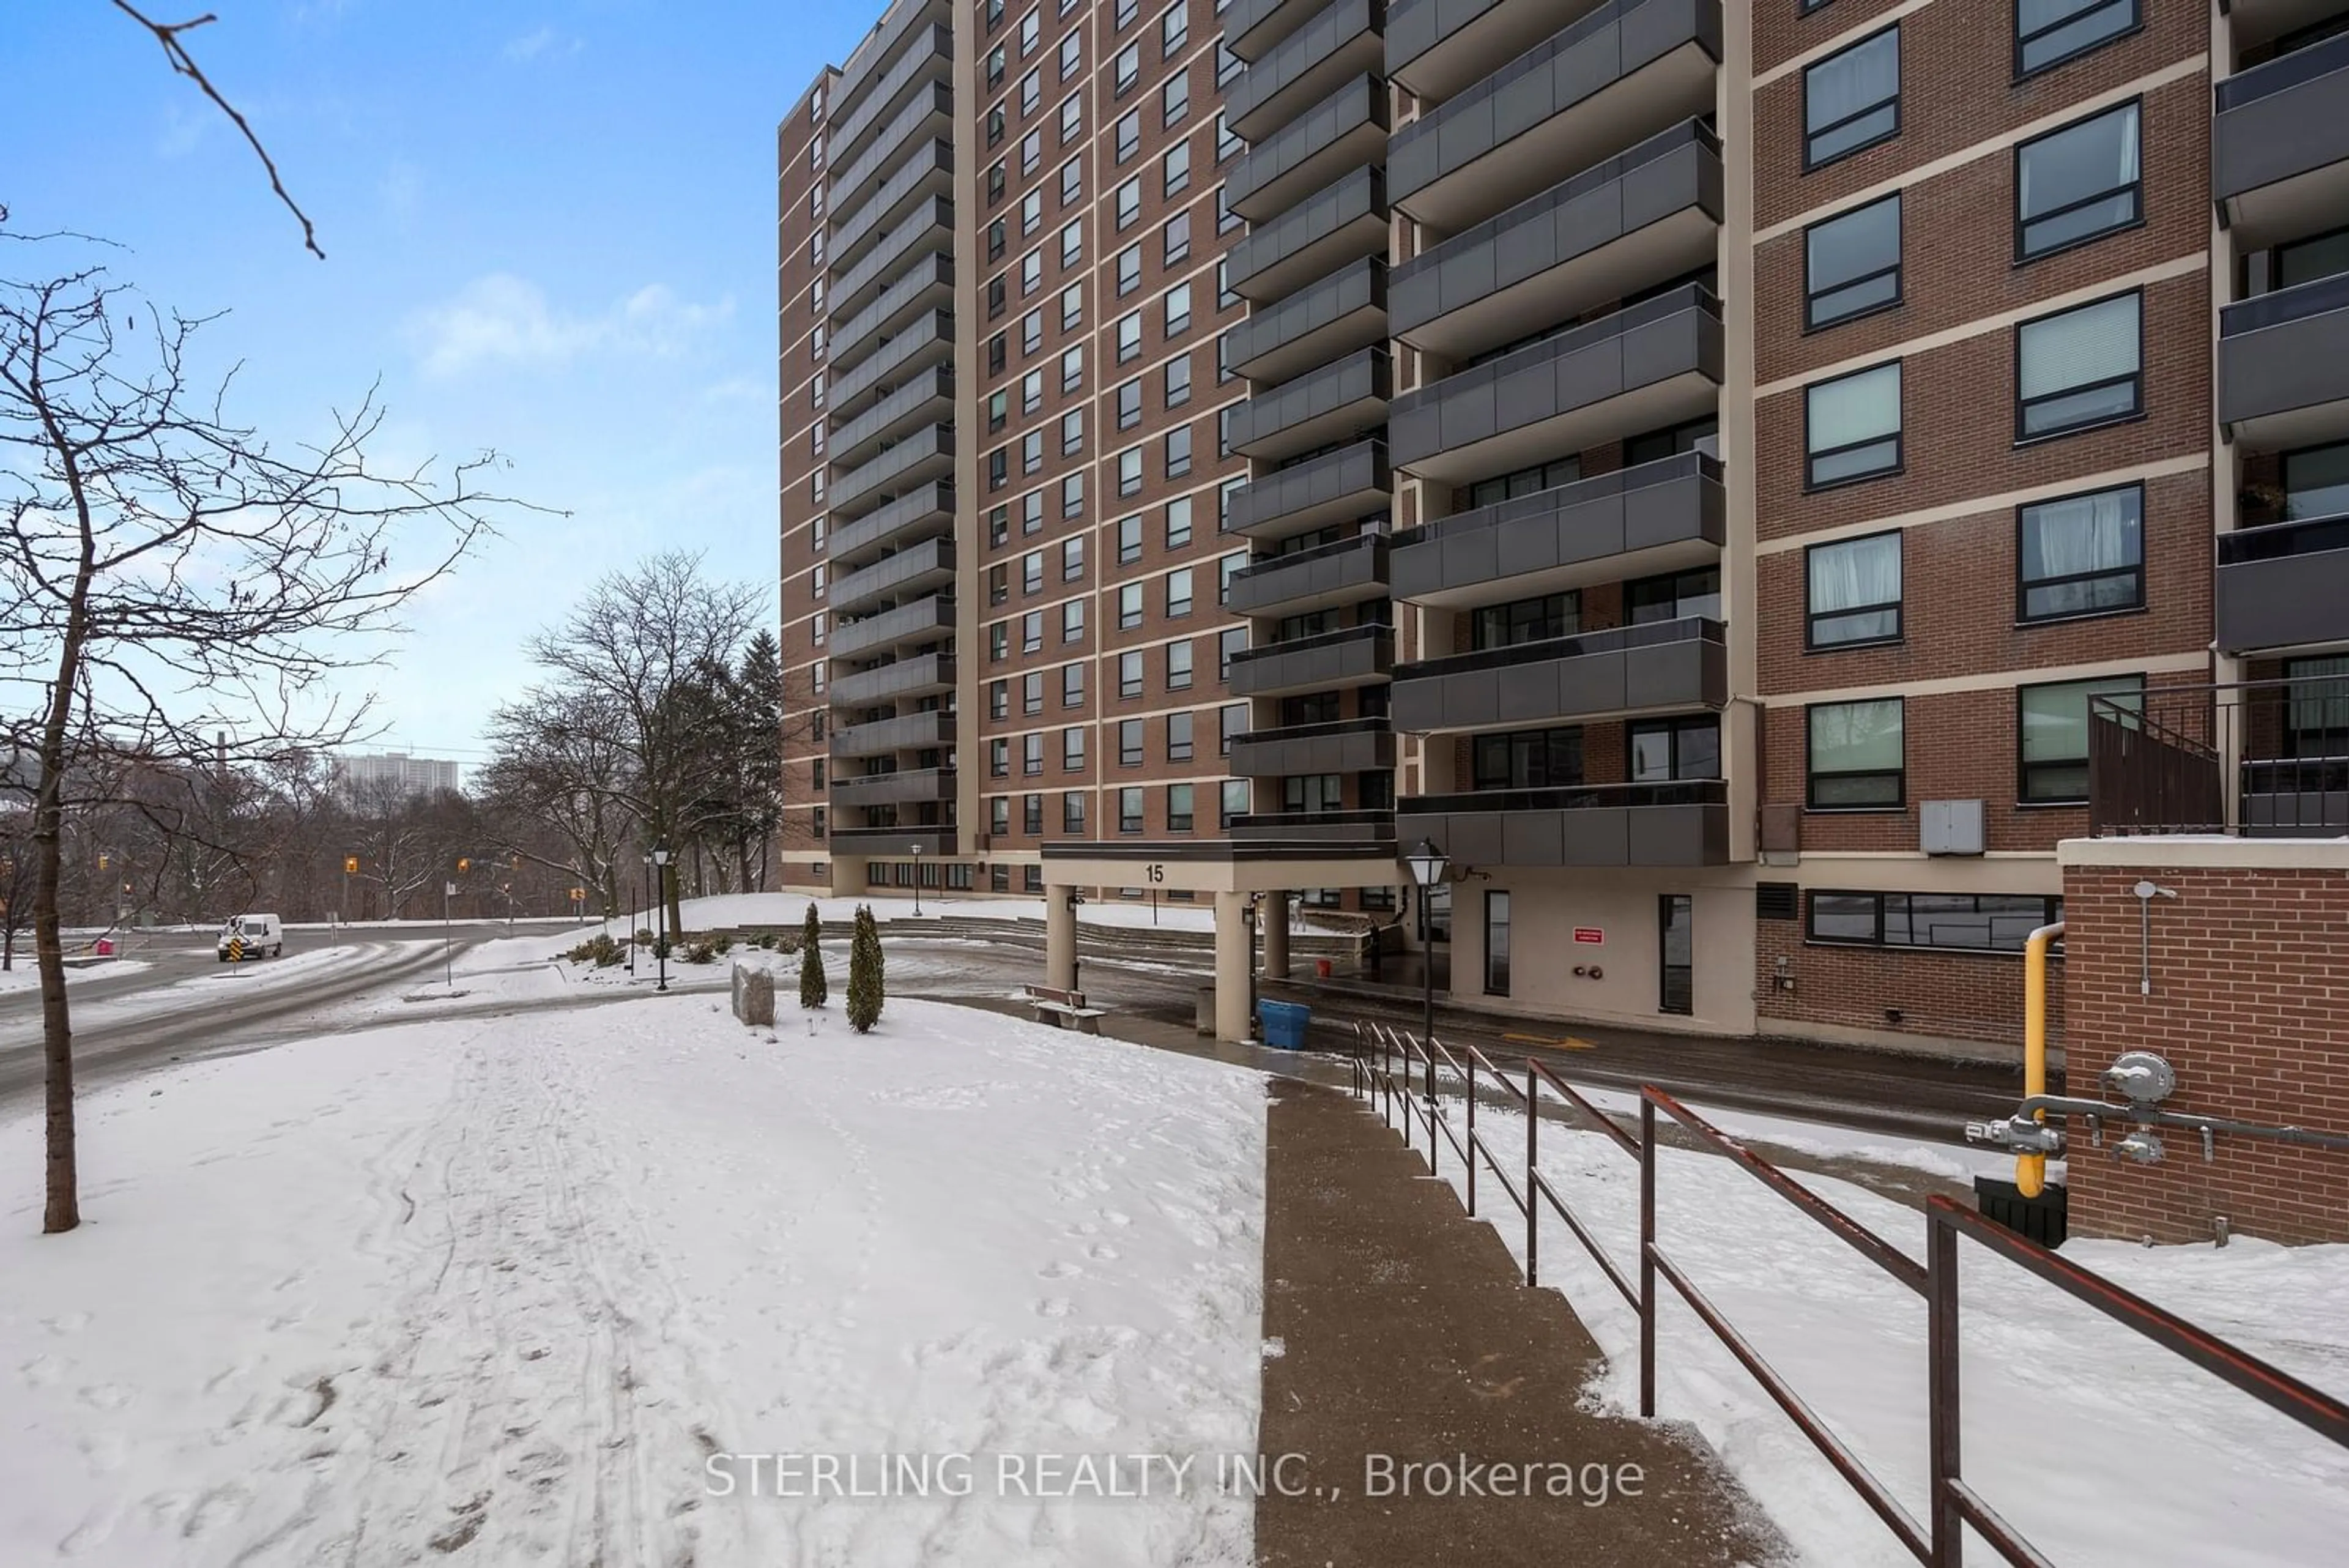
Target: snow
{"points": [[254, 975], [506, 1286], [2072, 1422], [25, 977]]}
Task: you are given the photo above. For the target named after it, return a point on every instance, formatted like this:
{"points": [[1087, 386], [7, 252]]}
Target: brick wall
{"points": [[2251, 1005], [1974, 997]]}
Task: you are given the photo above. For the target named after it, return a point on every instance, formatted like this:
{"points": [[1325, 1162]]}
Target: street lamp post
{"points": [[1427, 865], [660, 877], [918, 878]]}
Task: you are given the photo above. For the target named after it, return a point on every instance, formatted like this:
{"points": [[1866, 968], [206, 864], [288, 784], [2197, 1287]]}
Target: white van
{"points": [[263, 936]]}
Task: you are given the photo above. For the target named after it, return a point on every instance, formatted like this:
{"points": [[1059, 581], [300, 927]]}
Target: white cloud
{"points": [[546, 41], [504, 319]]}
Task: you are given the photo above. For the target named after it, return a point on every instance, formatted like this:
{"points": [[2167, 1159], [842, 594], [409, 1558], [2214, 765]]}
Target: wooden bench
{"points": [[1064, 1009]]}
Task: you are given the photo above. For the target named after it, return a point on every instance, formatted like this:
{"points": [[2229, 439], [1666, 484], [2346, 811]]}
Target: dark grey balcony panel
{"points": [[2284, 586], [926, 174], [1337, 487], [912, 786], [1345, 130], [930, 728], [1344, 38], [907, 678], [1357, 656], [925, 398], [896, 48], [1370, 832], [1252, 27], [1657, 363], [1436, 47], [927, 454], [1327, 403], [1626, 72], [1607, 825], [928, 284], [1345, 746], [927, 340], [1321, 233], [907, 626], [913, 571], [2279, 145], [927, 114], [921, 232], [893, 843], [2283, 366], [924, 514], [1610, 231], [1324, 320], [1630, 669], [1343, 573], [1659, 517]]}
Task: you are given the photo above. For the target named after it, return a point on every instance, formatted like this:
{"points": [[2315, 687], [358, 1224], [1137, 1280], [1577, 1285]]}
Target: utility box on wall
{"points": [[1949, 826]]}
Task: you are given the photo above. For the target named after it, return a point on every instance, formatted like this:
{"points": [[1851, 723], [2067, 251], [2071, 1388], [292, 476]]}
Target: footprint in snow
{"points": [[1058, 1272], [1053, 1306]]}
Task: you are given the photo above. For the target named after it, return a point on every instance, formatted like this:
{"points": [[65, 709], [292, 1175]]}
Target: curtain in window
{"points": [[1835, 90], [2094, 541], [2078, 349], [2073, 167], [1856, 574]]}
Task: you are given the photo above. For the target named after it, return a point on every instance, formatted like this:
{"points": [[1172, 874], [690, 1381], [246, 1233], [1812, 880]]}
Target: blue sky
{"points": [[549, 229]]}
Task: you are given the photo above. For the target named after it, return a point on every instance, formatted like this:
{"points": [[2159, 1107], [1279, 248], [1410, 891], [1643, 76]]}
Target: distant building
{"points": [[354, 776]]}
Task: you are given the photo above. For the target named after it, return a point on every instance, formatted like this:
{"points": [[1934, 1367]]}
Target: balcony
{"points": [[1356, 655], [1345, 572], [1324, 320], [1619, 75], [895, 843], [1340, 746], [926, 175], [927, 287], [919, 676], [1655, 364], [927, 454], [2284, 586], [906, 627], [927, 114], [931, 728], [1657, 666], [2283, 365], [2279, 145], [1372, 831], [1336, 487], [1252, 27], [910, 573], [924, 399], [1345, 130], [1336, 225], [928, 229], [1660, 516], [1329, 403], [2258, 759], [1435, 48], [1683, 823], [1609, 232], [1344, 38], [930, 340], [892, 55], [914, 786]]}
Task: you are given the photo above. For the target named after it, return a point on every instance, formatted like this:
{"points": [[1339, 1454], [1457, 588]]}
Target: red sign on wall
{"points": [[1590, 934]]}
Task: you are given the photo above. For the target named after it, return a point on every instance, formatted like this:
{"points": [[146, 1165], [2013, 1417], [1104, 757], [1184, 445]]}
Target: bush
{"points": [[644, 937], [813, 992], [599, 950], [702, 951], [722, 943], [865, 991]]}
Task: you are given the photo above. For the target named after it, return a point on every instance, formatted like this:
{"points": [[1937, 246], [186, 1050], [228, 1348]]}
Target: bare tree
{"points": [[16, 868], [173, 585], [558, 760]]}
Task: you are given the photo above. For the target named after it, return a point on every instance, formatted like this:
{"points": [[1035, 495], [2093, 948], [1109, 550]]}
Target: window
{"points": [[1031, 812], [1031, 331], [1073, 812], [998, 641], [1227, 643], [1174, 29], [1175, 98], [998, 584], [1032, 391], [1073, 432], [1028, 34], [1129, 540], [1129, 675], [1031, 572], [1853, 589], [1226, 297], [1031, 265], [1129, 606], [1851, 427], [2074, 184], [1128, 134], [1129, 404], [1072, 243], [1178, 310], [1235, 801], [1178, 451], [1227, 568], [1528, 759], [1031, 756], [1129, 271], [1129, 470], [1073, 621], [1129, 203], [1674, 595], [2052, 722], [1972, 922], [999, 526], [1072, 685], [1072, 494], [1129, 811], [1178, 238], [1852, 100], [1031, 631], [2083, 554], [2049, 32], [1129, 337], [1073, 367], [1072, 307], [1527, 481], [1527, 621], [1031, 152], [995, 182], [1178, 592], [1178, 805], [1230, 721], [1072, 749], [2079, 368], [817, 581], [1032, 452], [995, 355], [1496, 943], [1667, 749], [1128, 68], [1858, 759], [999, 409], [1227, 63], [995, 127], [1031, 92], [1178, 679], [998, 699], [999, 813], [1031, 692], [995, 67], [1227, 142], [1072, 50], [1178, 522], [1852, 264], [1032, 512], [1175, 176], [1129, 742]]}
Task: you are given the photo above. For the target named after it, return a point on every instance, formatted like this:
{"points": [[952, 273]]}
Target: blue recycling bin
{"points": [[1284, 1024]]}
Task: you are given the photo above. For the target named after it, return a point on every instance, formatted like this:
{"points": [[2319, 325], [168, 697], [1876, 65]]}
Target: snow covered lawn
{"points": [[2099, 1446], [26, 976], [506, 1287]]}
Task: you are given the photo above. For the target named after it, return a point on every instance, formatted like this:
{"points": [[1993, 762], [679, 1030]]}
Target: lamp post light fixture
{"points": [[918, 878], [1428, 865], [660, 947]]}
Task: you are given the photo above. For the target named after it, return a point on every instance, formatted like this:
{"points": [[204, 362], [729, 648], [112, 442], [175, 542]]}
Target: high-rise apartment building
{"points": [[1698, 464], [354, 777]]}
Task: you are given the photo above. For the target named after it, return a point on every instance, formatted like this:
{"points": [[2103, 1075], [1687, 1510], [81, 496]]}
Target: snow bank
{"points": [[506, 1287], [25, 977]]}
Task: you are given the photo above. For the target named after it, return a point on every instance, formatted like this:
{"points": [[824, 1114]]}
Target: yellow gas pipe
{"points": [[2031, 1170]]}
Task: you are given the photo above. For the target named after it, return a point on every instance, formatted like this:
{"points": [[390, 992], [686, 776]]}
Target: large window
{"points": [[1528, 759], [1851, 427], [2316, 482], [1854, 592], [2049, 32], [1852, 100], [2079, 368], [2083, 554], [1527, 620], [1663, 750], [1857, 756], [2052, 722], [2316, 721], [1496, 943], [1675, 596], [1851, 263], [1963, 923], [2073, 185], [1526, 480]]}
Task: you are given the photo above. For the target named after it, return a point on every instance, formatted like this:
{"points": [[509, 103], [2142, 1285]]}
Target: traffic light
{"points": [[464, 866], [105, 861], [350, 865]]}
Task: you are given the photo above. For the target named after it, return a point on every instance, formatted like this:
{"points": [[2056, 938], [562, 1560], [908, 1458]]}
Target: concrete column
{"points": [[1275, 935], [1231, 966], [1059, 940]]}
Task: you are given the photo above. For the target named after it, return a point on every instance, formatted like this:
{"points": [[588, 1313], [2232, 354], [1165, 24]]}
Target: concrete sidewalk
{"points": [[1406, 1338]]}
